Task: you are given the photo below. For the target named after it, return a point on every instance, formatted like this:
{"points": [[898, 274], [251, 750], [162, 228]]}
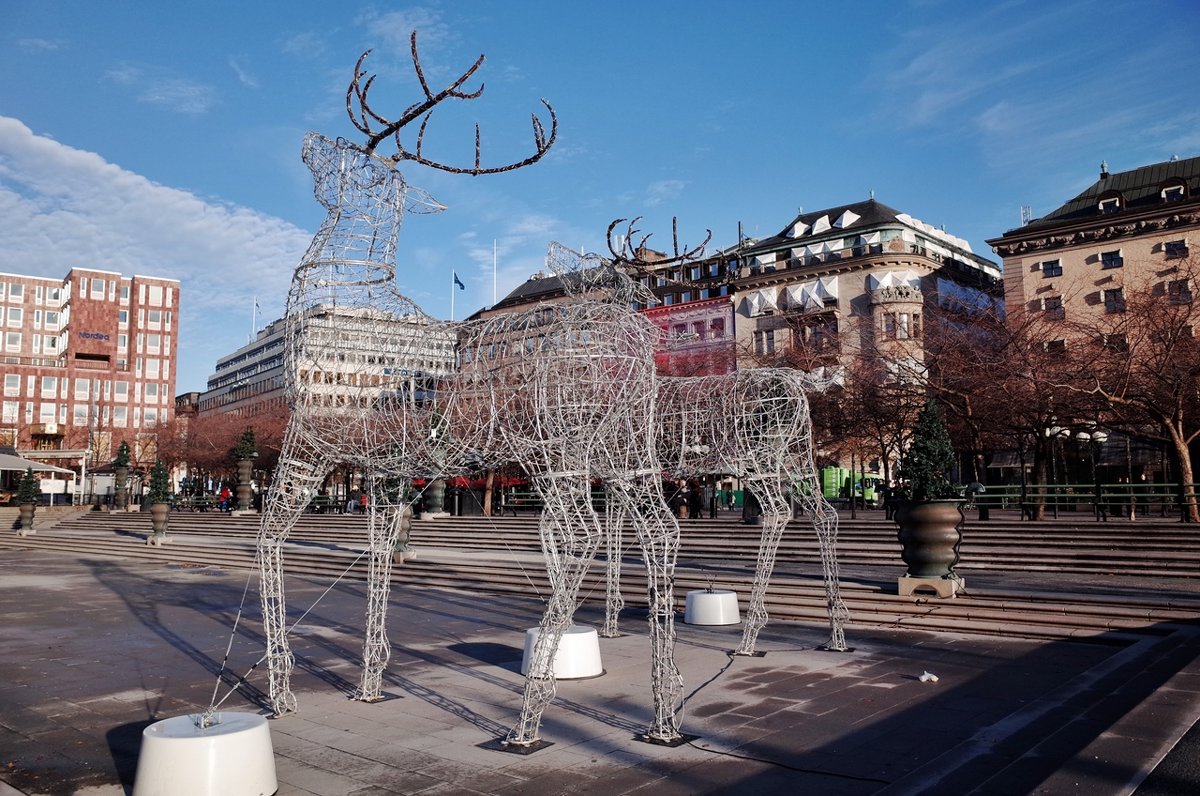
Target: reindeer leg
{"points": [[385, 520], [776, 512], [570, 532], [825, 525], [658, 535], [614, 517], [294, 485]]}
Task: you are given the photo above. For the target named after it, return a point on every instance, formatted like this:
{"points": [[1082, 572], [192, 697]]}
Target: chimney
{"points": [[1104, 169]]}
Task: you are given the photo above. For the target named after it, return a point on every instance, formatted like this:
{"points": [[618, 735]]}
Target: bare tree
{"points": [[1141, 359]]}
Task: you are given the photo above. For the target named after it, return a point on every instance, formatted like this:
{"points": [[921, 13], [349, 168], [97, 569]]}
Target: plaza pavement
{"points": [[93, 649]]}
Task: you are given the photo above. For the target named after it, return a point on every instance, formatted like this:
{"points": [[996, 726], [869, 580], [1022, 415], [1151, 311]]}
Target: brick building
{"points": [[88, 362]]}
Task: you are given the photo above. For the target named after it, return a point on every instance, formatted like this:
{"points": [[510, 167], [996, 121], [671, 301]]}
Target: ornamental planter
{"points": [[121, 488], [25, 511], [930, 533], [160, 514]]}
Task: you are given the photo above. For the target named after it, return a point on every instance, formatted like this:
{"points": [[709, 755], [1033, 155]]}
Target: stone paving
{"points": [[95, 649]]}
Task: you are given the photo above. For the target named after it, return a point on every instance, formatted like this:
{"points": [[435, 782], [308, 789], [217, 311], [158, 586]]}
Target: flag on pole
{"points": [[458, 281]]}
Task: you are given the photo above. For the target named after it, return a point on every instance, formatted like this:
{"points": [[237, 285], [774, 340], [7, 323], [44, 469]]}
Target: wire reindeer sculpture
{"points": [[572, 391], [577, 405], [363, 416], [568, 390], [753, 424]]}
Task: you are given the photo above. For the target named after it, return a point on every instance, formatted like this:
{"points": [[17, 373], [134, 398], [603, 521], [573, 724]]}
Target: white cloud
{"points": [[65, 207], [663, 191], [42, 45], [156, 87], [244, 77]]}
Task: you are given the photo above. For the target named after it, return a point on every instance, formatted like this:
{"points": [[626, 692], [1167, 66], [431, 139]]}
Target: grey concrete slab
{"points": [[95, 649]]}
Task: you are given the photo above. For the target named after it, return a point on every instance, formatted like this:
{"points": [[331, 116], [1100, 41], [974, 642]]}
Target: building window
{"points": [[1173, 193], [1051, 268], [51, 319], [1110, 205], [10, 412], [717, 327], [15, 316], [1111, 259], [1114, 300], [764, 341], [120, 416], [1115, 342], [1180, 290], [98, 288], [1055, 346], [1175, 249], [1053, 305], [16, 292], [154, 318], [12, 341], [12, 384]]}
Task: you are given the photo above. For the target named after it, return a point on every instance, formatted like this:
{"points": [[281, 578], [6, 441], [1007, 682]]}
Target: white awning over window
{"points": [[893, 279], [761, 301], [813, 293]]}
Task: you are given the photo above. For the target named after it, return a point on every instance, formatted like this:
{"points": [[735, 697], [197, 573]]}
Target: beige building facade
{"points": [[1129, 230]]}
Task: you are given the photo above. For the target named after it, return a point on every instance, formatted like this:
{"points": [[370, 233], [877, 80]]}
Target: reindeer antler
{"points": [[631, 254], [366, 118]]}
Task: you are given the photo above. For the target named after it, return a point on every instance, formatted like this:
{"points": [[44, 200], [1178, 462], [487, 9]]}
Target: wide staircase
{"points": [[1069, 578]]}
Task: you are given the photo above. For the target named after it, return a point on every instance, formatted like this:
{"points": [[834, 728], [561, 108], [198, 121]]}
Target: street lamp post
{"points": [[1094, 439]]}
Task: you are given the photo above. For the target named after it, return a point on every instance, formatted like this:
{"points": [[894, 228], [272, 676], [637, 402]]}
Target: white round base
{"points": [[231, 758], [578, 653], [716, 607]]}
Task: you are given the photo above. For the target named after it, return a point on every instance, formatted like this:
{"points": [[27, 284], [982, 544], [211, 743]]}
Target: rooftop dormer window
{"points": [[1173, 193], [1110, 204]]}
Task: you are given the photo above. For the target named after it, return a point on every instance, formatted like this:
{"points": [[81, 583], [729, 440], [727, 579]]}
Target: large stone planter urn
{"points": [[160, 515], [930, 533], [121, 488], [25, 511], [244, 492]]}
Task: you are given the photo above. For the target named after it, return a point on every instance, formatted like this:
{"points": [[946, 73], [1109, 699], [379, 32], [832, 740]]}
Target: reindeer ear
{"points": [[377, 128]]}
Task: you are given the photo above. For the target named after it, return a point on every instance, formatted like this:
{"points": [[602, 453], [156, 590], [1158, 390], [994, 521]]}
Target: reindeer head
{"points": [[378, 128]]}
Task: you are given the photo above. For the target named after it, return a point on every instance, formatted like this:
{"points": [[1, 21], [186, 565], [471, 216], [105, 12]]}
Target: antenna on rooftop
{"points": [[1026, 214]]}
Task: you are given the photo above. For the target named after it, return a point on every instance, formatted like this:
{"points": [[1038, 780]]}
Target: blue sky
{"points": [[164, 139]]}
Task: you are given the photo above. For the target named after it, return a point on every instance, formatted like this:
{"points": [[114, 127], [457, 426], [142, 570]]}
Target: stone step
{"points": [[791, 596]]}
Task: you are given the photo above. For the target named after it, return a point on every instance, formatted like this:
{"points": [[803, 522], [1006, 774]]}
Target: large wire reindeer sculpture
{"points": [[573, 393], [361, 416], [753, 424]]}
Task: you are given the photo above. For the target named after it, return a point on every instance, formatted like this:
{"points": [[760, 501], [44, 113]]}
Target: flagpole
{"points": [[253, 319], [453, 276], [493, 272]]}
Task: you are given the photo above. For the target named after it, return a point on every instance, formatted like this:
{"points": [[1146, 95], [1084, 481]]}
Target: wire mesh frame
{"points": [[753, 424], [576, 404], [568, 390]]}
